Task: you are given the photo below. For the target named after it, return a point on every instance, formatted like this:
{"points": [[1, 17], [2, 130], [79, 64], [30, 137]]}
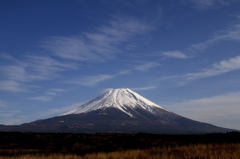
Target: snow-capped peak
{"points": [[121, 99]]}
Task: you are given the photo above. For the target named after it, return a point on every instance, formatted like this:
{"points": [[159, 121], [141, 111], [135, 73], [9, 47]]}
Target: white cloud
{"points": [[228, 65], [93, 80], [16, 75], [90, 80], [45, 68], [146, 66], [230, 33], [125, 72], [42, 98], [104, 43], [213, 110], [175, 54], [51, 93], [12, 86], [100, 45], [219, 68], [207, 4], [13, 70], [144, 88], [70, 48], [55, 91]]}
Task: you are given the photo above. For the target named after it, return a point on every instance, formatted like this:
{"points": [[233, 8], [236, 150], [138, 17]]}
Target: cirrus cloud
{"points": [[104, 43], [42, 98], [208, 4], [216, 69], [175, 54]]}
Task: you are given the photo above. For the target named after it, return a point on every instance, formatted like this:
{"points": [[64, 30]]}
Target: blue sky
{"points": [[181, 54]]}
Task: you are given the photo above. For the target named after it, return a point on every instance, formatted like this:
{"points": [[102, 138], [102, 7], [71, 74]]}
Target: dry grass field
{"points": [[199, 151], [28, 145]]}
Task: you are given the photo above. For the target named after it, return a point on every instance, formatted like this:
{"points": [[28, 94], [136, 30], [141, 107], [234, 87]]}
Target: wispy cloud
{"points": [[16, 73], [40, 68], [144, 88], [95, 79], [71, 48], [105, 42], [230, 33], [146, 66], [100, 45], [90, 80], [55, 91], [175, 54], [51, 93], [219, 68], [12, 86], [42, 98], [45, 67], [208, 4]]}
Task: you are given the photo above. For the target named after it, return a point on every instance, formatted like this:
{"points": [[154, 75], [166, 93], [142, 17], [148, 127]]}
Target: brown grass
{"points": [[200, 151]]}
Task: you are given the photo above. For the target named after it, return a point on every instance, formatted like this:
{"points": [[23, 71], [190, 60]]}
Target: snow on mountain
{"points": [[118, 110], [122, 99]]}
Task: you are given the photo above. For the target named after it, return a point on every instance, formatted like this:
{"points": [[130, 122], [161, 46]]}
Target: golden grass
{"points": [[200, 151]]}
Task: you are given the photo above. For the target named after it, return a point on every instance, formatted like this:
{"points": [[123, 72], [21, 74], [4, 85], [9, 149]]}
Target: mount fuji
{"points": [[122, 111]]}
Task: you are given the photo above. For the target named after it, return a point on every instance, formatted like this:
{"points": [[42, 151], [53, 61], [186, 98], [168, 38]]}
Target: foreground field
{"points": [[27, 145], [200, 151]]}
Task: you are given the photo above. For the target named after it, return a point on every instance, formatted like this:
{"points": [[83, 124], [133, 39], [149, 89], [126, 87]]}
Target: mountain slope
{"points": [[119, 110], [121, 99]]}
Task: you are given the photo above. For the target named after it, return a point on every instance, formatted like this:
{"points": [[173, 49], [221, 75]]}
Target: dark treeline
{"points": [[12, 143]]}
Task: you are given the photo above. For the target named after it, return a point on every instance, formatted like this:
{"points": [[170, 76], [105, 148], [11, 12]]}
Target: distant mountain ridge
{"points": [[118, 110]]}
